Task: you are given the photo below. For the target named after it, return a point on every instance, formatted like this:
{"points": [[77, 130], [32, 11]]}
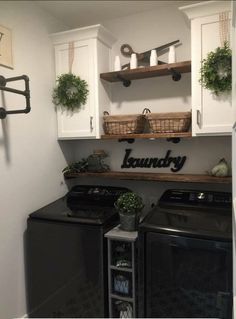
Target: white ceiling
{"points": [[76, 14]]}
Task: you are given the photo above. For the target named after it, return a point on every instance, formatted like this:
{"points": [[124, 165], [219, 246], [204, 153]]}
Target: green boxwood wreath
{"points": [[216, 70], [71, 92]]}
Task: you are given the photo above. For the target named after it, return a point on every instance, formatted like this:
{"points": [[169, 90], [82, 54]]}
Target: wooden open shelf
{"points": [[159, 177], [147, 136], [147, 72]]}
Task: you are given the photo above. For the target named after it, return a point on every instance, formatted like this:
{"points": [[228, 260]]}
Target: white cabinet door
{"points": [[81, 122], [234, 153], [234, 217], [92, 49], [211, 115]]}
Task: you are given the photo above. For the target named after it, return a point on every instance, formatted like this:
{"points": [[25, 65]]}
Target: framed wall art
{"points": [[6, 47]]}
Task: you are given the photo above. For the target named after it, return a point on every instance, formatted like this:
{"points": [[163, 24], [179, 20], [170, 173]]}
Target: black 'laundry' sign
{"points": [[176, 162]]}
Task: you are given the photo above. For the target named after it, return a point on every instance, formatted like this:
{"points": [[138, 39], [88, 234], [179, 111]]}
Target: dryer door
{"points": [[64, 270], [187, 277]]}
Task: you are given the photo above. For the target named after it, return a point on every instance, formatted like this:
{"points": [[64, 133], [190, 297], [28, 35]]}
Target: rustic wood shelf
{"points": [[147, 72], [147, 135], [159, 177]]}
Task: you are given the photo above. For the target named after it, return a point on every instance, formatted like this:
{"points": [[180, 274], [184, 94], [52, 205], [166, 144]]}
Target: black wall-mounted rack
{"points": [[174, 140], [26, 93]]}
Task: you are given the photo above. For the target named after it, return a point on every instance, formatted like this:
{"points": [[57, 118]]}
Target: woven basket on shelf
{"points": [[168, 122], [123, 124]]}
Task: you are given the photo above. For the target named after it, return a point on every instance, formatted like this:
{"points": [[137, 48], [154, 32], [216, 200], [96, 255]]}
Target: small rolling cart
{"points": [[122, 274]]}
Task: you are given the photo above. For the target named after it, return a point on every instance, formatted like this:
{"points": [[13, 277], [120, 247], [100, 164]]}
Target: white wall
{"points": [[30, 157], [144, 31]]}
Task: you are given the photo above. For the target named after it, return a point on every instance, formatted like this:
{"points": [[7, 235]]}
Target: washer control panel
{"points": [[196, 198]]}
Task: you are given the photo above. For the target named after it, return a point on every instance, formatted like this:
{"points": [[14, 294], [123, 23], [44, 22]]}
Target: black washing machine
{"points": [[185, 266], [66, 255]]}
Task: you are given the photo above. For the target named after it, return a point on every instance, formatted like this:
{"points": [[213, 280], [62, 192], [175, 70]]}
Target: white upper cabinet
{"points": [[91, 51], [211, 115]]}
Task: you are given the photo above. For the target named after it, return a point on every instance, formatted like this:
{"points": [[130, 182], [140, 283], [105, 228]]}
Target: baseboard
{"points": [[25, 316]]}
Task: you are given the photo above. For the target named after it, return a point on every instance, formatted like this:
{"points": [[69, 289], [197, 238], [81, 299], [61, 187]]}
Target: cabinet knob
{"points": [[198, 118], [91, 123]]}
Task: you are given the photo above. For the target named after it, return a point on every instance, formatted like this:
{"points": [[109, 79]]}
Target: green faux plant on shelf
{"points": [[93, 163], [71, 92], [129, 205], [216, 70], [77, 167]]}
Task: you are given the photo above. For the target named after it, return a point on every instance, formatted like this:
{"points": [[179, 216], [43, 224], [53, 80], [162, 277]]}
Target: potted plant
{"points": [[129, 205]]}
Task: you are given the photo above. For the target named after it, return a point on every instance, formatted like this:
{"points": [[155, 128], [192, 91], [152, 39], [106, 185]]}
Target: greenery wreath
{"points": [[71, 92], [216, 70]]}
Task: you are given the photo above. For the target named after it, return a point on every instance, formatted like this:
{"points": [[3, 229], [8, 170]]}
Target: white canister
{"points": [[171, 56], [117, 65], [133, 61], [153, 58]]}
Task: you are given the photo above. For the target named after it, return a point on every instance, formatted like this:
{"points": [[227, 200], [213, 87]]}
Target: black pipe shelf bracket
{"points": [[176, 76], [128, 140], [26, 93], [125, 82]]}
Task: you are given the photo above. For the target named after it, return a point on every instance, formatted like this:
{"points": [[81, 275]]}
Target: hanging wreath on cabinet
{"points": [[71, 92], [216, 70]]}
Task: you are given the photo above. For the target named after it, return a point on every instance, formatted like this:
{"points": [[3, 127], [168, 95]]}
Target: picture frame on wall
{"points": [[6, 58]]}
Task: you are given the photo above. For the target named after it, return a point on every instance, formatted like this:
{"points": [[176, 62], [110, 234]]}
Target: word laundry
{"points": [[153, 162]]}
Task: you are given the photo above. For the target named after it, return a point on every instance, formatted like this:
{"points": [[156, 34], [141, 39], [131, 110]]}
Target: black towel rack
{"points": [[26, 93]]}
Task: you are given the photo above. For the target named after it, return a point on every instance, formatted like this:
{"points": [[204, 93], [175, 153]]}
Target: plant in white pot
{"points": [[129, 205]]}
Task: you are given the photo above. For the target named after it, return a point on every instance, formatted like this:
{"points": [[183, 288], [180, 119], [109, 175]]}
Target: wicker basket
{"points": [[123, 124], [169, 122]]}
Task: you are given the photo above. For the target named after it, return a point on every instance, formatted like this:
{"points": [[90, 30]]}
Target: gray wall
{"points": [[202, 154]]}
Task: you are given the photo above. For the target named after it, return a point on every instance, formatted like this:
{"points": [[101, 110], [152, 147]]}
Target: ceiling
{"points": [[76, 14]]}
